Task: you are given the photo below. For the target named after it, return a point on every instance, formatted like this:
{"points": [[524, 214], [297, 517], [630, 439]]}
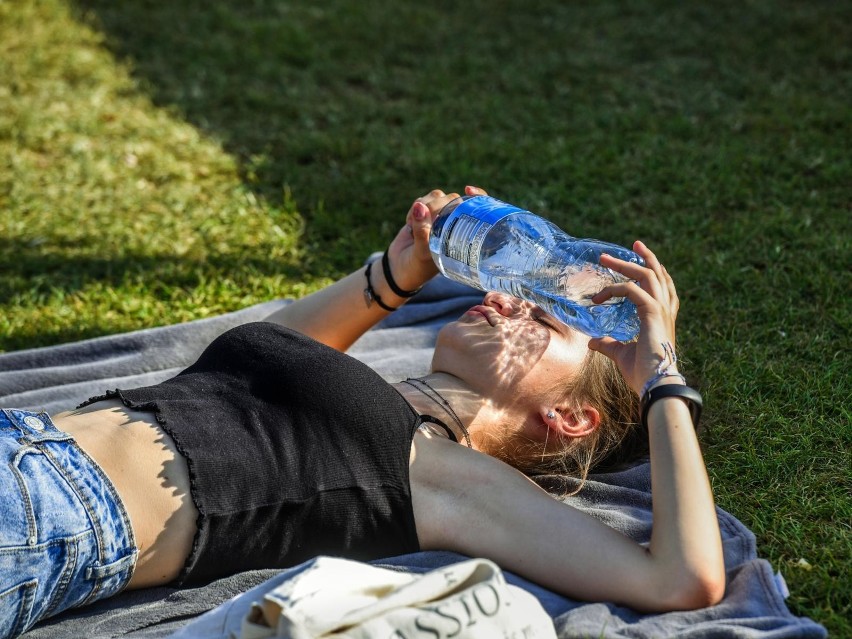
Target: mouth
{"points": [[482, 311]]}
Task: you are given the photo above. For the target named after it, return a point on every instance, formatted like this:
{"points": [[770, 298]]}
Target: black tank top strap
{"points": [[421, 419]]}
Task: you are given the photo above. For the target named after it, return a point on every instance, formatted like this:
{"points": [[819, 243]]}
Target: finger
{"points": [[669, 282], [431, 195], [436, 195], [649, 256], [607, 346], [437, 205], [648, 279], [653, 263], [421, 221], [420, 225], [474, 190], [674, 300], [636, 294], [435, 201], [630, 269]]}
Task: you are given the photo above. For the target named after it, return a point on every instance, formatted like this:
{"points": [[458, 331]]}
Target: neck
{"points": [[445, 397]]}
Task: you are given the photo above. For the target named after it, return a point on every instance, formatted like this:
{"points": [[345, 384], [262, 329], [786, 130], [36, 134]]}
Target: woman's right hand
{"points": [[410, 259], [653, 292], [339, 314]]}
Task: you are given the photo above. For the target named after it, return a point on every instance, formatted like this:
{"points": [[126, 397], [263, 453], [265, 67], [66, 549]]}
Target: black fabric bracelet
{"points": [[389, 279], [691, 396], [371, 296]]}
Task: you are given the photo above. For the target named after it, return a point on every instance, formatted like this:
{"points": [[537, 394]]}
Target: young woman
{"points": [[276, 447]]}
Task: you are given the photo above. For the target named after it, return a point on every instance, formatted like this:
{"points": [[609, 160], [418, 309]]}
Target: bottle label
{"points": [[487, 209], [473, 219], [466, 227]]}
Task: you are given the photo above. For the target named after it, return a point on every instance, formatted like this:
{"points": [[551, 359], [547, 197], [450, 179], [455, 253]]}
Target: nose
{"points": [[504, 304]]}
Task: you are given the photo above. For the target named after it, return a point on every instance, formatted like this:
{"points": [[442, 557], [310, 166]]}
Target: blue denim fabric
{"points": [[65, 538]]}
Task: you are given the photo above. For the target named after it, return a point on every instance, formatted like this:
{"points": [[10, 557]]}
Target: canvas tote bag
{"points": [[342, 599]]}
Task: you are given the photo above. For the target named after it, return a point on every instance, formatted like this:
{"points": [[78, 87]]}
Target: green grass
{"points": [[166, 161]]}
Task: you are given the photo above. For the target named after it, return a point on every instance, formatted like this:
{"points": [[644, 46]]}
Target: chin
{"points": [[445, 339]]}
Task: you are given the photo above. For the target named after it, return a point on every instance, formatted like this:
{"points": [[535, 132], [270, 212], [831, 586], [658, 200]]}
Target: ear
{"points": [[575, 421]]}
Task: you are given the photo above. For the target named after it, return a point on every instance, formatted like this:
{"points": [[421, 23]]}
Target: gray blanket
{"points": [[59, 377]]}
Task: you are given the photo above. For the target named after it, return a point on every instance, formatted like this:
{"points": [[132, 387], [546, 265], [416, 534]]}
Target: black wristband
{"points": [[691, 396], [389, 279], [371, 296]]}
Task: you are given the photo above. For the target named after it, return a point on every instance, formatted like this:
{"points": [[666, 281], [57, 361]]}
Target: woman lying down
{"points": [[276, 447]]}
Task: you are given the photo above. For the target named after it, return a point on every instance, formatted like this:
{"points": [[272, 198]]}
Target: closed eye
{"points": [[542, 319]]}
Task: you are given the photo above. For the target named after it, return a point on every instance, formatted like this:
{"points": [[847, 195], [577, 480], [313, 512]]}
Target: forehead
{"points": [[555, 372], [566, 348], [567, 344]]}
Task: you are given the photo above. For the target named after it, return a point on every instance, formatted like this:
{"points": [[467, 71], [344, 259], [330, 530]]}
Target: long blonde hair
{"points": [[617, 440]]}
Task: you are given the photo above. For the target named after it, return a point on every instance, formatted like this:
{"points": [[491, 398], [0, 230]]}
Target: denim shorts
{"points": [[65, 538]]}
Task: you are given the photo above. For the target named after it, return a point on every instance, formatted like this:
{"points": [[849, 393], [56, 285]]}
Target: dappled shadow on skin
{"points": [[494, 361], [152, 480], [500, 355], [519, 349]]}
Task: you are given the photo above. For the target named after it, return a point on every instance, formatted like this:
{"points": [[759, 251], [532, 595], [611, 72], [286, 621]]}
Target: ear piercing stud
{"points": [[550, 414]]}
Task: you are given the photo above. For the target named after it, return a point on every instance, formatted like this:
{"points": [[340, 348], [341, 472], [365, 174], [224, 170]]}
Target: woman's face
{"points": [[510, 351]]}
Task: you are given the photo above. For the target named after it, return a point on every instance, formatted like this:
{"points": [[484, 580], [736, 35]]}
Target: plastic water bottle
{"points": [[494, 246]]}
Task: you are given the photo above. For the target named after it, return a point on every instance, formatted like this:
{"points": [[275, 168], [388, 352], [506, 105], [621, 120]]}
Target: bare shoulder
{"points": [[438, 462], [476, 505], [454, 487]]}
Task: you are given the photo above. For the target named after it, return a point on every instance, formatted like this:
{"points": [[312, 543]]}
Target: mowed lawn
{"points": [[164, 161]]}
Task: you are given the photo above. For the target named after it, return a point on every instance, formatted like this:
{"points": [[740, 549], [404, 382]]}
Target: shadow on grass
{"points": [[352, 104], [286, 87], [569, 105], [163, 275], [322, 100]]}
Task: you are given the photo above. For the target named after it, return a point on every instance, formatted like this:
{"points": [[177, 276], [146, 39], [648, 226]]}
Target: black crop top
{"points": [[294, 450]]}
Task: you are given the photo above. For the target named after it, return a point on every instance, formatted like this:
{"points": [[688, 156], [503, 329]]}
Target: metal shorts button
{"points": [[34, 422]]}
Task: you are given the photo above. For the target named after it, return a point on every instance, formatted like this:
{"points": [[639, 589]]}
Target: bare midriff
{"points": [[151, 478]]}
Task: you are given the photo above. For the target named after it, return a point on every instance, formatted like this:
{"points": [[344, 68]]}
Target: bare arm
{"points": [[474, 504], [481, 507], [339, 314], [686, 534]]}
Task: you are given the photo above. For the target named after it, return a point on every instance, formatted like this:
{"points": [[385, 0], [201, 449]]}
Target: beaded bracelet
{"points": [[666, 368], [656, 378]]}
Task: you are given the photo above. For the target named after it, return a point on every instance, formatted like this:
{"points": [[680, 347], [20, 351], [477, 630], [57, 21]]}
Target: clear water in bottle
{"points": [[494, 246]]}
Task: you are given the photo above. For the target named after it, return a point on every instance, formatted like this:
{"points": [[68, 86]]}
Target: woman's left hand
{"points": [[653, 292], [410, 259]]}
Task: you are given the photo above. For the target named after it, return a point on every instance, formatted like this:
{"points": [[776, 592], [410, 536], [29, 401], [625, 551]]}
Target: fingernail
{"points": [[419, 211]]}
